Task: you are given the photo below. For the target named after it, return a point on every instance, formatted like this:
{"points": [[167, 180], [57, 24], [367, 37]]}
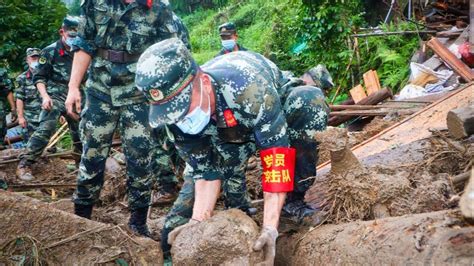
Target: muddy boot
{"points": [[23, 172], [298, 210], [137, 222], [84, 211]]}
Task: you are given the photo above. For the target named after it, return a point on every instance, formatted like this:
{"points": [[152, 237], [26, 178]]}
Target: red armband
{"points": [[278, 169]]}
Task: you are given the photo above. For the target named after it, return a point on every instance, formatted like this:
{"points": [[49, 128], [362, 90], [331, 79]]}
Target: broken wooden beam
{"points": [[461, 122], [373, 99], [41, 186], [451, 60], [372, 112]]}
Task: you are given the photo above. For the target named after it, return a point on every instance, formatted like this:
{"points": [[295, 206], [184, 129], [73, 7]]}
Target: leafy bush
{"points": [[299, 34], [27, 23]]}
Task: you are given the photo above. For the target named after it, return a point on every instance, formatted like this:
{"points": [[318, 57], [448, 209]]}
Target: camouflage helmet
{"points": [[33, 52], [165, 72], [321, 77], [71, 25]]}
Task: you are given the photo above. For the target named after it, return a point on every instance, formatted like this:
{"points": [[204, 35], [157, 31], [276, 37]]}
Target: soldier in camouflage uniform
{"points": [[115, 33], [28, 99], [218, 116], [6, 95], [51, 78], [229, 37], [165, 155]]}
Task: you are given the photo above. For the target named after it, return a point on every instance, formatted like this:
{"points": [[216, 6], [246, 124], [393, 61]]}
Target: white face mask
{"points": [[34, 64], [197, 120]]}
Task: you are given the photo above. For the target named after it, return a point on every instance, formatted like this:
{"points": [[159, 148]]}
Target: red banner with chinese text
{"points": [[278, 169]]}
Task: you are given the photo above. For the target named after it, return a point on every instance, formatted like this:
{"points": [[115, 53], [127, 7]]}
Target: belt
{"points": [[115, 56]]}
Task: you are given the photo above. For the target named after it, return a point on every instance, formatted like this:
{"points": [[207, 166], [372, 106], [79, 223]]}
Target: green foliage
{"points": [[75, 8], [27, 23], [390, 55], [299, 34]]}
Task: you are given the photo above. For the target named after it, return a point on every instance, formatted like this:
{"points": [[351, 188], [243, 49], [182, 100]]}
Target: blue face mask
{"points": [[228, 44], [70, 41], [197, 120]]}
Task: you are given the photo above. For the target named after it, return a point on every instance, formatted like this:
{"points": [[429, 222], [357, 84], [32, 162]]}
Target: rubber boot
{"points": [[137, 222], [84, 211], [296, 208]]}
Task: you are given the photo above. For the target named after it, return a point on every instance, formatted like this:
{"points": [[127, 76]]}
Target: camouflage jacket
{"points": [[248, 110], [27, 92], [113, 25], [224, 51], [54, 70]]}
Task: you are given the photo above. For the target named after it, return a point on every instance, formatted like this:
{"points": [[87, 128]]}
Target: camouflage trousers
{"points": [[48, 121], [99, 120], [165, 161], [306, 113], [32, 123]]}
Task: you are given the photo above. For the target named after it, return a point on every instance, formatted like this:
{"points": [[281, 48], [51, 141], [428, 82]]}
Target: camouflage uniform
{"points": [[27, 92], [6, 88], [245, 85], [54, 70], [115, 34]]}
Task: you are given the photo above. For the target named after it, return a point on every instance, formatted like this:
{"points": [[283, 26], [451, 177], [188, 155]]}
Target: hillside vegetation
{"points": [[300, 34]]}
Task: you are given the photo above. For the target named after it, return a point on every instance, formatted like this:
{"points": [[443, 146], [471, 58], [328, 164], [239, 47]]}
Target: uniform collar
{"points": [[61, 48]]}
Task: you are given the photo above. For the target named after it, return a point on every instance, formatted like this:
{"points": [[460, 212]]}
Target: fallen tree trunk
{"points": [[461, 122], [39, 233], [372, 99], [438, 238]]}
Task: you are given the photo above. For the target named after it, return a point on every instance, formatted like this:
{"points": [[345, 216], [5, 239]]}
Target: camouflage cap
{"points": [[71, 25], [227, 29], [165, 72], [321, 77], [33, 52]]}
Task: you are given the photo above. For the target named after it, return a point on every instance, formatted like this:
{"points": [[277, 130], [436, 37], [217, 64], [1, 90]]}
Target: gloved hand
{"points": [[174, 234], [267, 240]]}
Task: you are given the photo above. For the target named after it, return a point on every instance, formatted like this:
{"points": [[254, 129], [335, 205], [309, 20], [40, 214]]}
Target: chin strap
{"points": [[278, 169]]}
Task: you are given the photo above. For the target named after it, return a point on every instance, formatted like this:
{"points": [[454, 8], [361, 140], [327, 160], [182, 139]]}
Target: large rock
{"points": [[225, 239]]}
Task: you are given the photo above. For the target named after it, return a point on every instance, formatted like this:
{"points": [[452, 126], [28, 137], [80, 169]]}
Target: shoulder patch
{"points": [[42, 60]]}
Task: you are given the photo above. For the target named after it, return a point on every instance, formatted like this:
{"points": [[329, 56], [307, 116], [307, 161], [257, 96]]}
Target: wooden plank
{"points": [[358, 93], [434, 62], [449, 58], [371, 82], [414, 128], [375, 98]]}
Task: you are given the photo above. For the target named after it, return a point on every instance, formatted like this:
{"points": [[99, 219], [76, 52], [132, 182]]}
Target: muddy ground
{"points": [[428, 182]]}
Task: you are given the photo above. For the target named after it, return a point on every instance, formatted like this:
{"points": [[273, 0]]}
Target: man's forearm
{"points": [[42, 90], [20, 108], [11, 101], [80, 64], [273, 203]]}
